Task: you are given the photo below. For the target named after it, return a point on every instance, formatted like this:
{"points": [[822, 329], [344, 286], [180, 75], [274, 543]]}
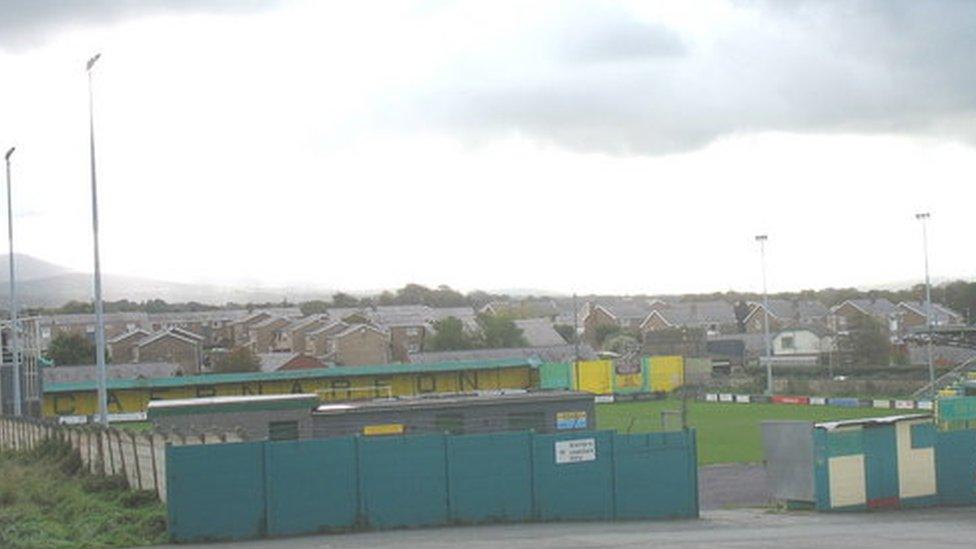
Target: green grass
{"points": [[727, 433], [47, 501], [137, 426]]}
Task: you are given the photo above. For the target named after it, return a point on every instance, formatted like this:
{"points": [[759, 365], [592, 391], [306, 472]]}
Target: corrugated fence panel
{"points": [[490, 477], [955, 465], [216, 491], [655, 476], [570, 481], [246, 490], [311, 485], [556, 375], [403, 480], [666, 373], [595, 376]]}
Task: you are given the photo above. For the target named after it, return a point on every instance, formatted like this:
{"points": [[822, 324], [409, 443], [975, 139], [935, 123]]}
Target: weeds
{"points": [[48, 500]]}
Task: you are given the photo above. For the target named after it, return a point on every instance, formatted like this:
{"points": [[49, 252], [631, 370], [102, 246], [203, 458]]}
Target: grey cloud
{"points": [[30, 23], [617, 85]]}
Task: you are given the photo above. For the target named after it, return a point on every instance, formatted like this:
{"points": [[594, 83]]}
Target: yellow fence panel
{"points": [[595, 376], [667, 373]]}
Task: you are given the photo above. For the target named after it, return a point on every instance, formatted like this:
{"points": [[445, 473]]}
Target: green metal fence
{"points": [[248, 490]]}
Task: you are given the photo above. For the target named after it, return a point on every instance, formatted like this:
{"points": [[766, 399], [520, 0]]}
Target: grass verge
{"points": [[47, 500], [727, 433]]}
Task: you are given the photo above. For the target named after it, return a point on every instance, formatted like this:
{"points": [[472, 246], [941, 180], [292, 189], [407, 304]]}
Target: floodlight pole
{"points": [[14, 343], [100, 373], [924, 217], [761, 239]]}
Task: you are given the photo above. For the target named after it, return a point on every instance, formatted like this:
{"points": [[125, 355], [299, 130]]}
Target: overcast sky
{"points": [[569, 146]]}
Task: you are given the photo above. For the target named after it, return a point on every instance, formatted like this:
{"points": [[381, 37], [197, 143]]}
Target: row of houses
{"points": [[384, 334], [341, 337], [720, 317]]}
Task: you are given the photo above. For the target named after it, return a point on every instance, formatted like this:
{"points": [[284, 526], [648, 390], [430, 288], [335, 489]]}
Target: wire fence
{"points": [[137, 456]]}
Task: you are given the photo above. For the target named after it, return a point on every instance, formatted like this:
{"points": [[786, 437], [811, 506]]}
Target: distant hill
{"points": [[44, 284], [29, 268]]}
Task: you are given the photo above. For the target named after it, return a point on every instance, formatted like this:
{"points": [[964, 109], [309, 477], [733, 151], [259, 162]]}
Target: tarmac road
{"points": [[732, 485], [737, 528]]}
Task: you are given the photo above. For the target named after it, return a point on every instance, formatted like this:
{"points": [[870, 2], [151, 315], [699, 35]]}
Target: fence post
{"points": [[152, 460], [101, 451], [135, 454], [125, 468]]}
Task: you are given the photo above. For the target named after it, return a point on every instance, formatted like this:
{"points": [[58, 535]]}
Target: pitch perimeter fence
{"points": [[266, 489], [139, 457]]}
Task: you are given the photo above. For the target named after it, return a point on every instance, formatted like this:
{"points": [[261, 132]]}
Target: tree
{"points": [[622, 344], [566, 331], [449, 335], [314, 307], [344, 300], [868, 342], [604, 332], [71, 350], [240, 359], [500, 332]]}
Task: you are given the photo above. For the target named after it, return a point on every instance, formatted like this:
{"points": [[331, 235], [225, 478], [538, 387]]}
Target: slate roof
{"points": [[271, 362], [167, 333], [880, 307], [940, 313], [696, 313], [538, 332], [269, 321], [801, 310], [122, 337]]}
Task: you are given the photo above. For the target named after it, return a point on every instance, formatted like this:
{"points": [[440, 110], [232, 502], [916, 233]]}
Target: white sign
{"points": [[711, 397], [575, 451], [742, 398], [603, 399], [818, 401], [905, 404], [925, 405], [726, 397]]}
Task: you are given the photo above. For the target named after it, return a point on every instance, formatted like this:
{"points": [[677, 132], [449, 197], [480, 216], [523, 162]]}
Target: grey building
{"points": [[543, 412], [259, 417]]}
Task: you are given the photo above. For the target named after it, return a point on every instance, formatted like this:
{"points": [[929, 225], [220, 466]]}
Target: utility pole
{"points": [[14, 343], [924, 217], [761, 239], [100, 373]]}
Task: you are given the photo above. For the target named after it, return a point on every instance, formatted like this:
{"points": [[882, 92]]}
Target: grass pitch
{"points": [[727, 432]]}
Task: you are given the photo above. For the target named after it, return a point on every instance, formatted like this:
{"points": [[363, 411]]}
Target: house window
{"points": [[46, 333], [788, 342]]}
